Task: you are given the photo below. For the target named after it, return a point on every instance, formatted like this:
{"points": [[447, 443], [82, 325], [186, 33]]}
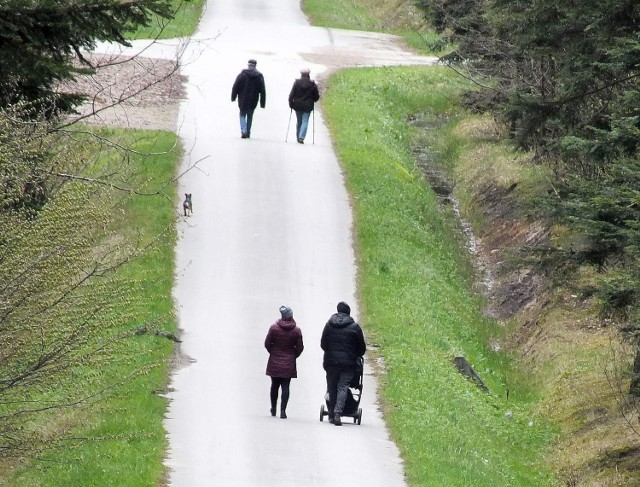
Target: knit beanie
{"points": [[286, 312]]}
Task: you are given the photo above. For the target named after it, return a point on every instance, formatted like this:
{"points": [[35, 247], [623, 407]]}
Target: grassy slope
{"points": [[399, 17], [187, 16], [415, 290], [124, 437], [121, 435], [571, 356]]}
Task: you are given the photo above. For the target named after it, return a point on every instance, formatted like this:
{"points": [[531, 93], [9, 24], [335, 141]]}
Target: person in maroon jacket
{"points": [[284, 344]]}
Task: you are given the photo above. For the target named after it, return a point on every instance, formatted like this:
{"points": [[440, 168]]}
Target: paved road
{"points": [[271, 226]]}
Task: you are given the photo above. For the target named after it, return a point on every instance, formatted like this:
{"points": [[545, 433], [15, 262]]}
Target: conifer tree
{"points": [[39, 39]]}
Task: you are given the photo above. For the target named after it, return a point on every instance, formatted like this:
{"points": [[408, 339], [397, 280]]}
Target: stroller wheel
{"points": [[358, 418], [322, 413]]}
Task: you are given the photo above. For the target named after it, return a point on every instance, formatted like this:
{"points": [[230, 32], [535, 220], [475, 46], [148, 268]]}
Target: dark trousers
{"points": [[276, 384], [338, 380]]}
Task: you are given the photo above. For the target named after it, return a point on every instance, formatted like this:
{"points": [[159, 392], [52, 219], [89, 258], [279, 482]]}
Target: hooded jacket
{"points": [[284, 344], [304, 93], [342, 341], [249, 89]]}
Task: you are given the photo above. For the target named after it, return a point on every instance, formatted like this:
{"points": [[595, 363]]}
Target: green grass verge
{"points": [[414, 283], [187, 16], [349, 14], [120, 434], [400, 18]]}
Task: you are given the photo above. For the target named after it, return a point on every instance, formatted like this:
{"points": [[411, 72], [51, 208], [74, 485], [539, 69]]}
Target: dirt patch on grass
{"points": [[515, 287], [510, 286]]}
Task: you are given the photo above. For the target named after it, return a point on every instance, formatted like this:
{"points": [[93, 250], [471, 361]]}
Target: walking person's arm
{"points": [[299, 346], [268, 341], [292, 95], [323, 339], [262, 93], [362, 344], [235, 89]]}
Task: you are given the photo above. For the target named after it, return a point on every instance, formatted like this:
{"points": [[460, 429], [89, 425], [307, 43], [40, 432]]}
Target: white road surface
{"points": [[271, 226]]}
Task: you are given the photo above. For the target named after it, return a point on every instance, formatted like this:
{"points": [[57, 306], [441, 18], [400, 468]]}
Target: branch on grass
{"points": [[129, 190], [116, 145], [143, 330]]}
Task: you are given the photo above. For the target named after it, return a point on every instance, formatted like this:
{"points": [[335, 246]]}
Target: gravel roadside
{"points": [[131, 92]]}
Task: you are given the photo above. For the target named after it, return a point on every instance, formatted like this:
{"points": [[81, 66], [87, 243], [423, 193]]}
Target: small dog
{"points": [[187, 205]]}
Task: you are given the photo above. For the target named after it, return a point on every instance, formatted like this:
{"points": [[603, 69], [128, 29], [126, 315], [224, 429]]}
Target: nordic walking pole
{"points": [[313, 138], [289, 124]]}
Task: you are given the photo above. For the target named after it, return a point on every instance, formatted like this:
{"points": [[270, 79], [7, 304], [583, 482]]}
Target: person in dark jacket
{"points": [[248, 88], [343, 344], [284, 344], [304, 93]]}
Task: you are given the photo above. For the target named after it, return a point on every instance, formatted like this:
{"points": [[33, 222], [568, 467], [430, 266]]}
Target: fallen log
{"points": [[464, 367]]}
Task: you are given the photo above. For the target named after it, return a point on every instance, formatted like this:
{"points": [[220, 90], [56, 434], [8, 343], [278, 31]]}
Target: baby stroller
{"points": [[352, 404]]}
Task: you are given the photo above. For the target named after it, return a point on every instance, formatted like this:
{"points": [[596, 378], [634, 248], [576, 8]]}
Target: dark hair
{"points": [[343, 308]]}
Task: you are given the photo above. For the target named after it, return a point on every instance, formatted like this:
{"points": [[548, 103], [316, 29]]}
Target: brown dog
{"points": [[187, 205]]}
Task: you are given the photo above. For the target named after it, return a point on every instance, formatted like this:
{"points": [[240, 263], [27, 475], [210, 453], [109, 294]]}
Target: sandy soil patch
{"points": [[138, 92]]}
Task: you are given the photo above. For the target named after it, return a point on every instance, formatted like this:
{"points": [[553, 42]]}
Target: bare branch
{"points": [[110, 184]]}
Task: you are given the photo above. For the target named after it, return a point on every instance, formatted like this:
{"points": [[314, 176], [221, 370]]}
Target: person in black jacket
{"points": [[249, 88], [343, 344], [304, 93]]}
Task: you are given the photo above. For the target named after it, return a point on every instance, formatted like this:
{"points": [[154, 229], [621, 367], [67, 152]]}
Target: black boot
{"points": [[283, 414], [273, 411]]}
